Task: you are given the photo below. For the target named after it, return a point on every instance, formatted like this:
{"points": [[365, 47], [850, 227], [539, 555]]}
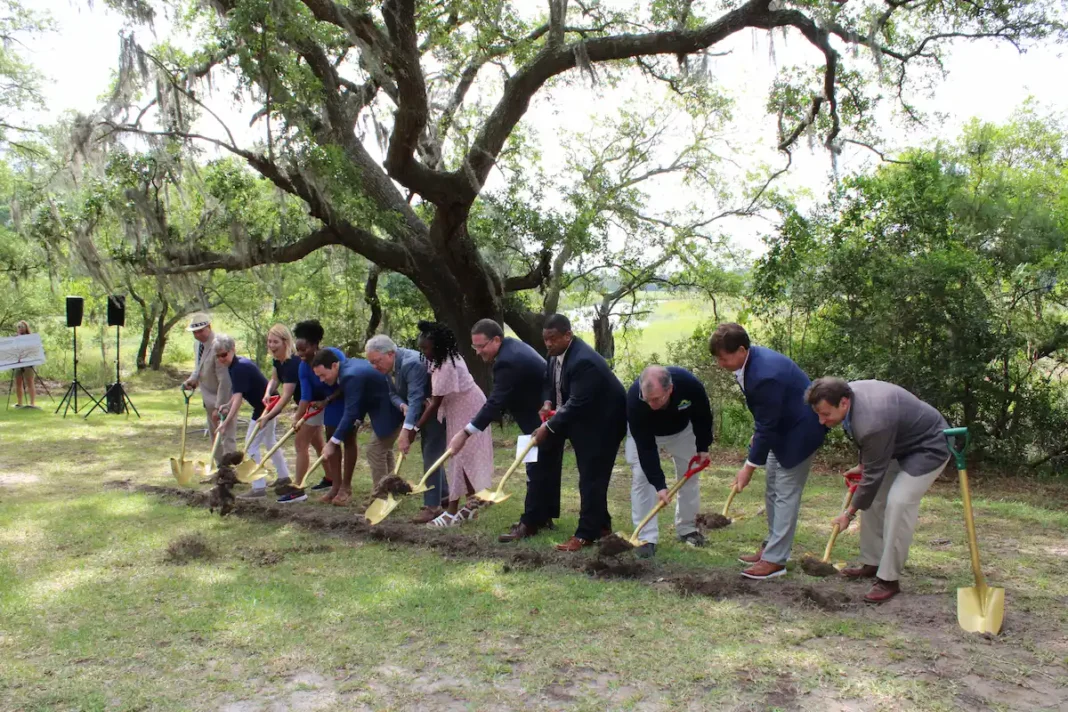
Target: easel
{"points": [[36, 379]]}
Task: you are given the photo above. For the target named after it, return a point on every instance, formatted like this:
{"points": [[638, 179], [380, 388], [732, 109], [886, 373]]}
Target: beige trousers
{"points": [[886, 528], [380, 456]]}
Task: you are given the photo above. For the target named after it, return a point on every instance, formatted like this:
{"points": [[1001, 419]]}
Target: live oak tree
{"points": [[458, 79]]}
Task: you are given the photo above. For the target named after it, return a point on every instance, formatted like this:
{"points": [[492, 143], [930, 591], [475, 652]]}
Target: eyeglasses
{"points": [[222, 355]]}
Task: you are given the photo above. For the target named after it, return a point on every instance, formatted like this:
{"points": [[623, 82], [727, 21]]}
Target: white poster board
{"points": [[21, 352], [521, 444]]}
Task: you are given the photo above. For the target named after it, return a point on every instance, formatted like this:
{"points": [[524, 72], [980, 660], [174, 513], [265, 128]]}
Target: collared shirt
{"points": [[847, 422], [739, 375]]}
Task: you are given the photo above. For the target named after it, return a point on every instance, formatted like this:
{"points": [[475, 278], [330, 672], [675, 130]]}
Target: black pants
{"points": [[595, 472], [542, 504]]}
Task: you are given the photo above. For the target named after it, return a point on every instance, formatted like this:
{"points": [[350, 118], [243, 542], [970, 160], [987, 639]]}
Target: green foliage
{"points": [[944, 274]]}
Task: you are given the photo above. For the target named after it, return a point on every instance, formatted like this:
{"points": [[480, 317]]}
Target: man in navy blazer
{"points": [[786, 434], [409, 389], [366, 392], [518, 375], [591, 412]]}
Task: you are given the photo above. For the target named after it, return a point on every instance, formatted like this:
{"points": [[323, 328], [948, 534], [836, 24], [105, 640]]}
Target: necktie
{"points": [[559, 388]]}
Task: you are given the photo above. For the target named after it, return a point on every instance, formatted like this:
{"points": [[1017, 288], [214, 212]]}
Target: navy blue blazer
{"points": [[518, 378], [594, 404], [366, 392], [775, 395]]}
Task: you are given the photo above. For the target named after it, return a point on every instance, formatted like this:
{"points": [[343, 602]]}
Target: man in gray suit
{"points": [[214, 381], [409, 389], [902, 452]]}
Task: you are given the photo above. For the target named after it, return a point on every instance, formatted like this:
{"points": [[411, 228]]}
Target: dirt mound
{"points": [[827, 600], [600, 568], [712, 587], [393, 485], [712, 520], [260, 557], [188, 547], [613, 545], [816, 567], [528, 559]]}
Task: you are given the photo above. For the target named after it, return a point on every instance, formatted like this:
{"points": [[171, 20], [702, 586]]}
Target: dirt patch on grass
{"points": [[528, 559], [814, 566], [712, 520], [713, 586], [613, 545], [613, 568], [188, 547], [827, 600]]}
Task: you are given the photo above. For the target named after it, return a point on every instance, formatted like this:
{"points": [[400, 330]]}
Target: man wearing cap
{"points": [[214, 381]]}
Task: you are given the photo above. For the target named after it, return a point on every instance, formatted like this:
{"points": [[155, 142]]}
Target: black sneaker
{"points": [[694, 539], [645, 551], [324, 484], [292, 497]]}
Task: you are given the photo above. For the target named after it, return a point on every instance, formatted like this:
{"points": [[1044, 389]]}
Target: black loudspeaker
{"points": [[74, 311], [115, 399], [117, 310]]}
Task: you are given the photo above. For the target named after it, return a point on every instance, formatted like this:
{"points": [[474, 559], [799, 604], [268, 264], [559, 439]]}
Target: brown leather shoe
{"points": [[517, 532], [882, 591], [573, 544], [752, 558], [427, 515], [764, 570], [860, 572]]}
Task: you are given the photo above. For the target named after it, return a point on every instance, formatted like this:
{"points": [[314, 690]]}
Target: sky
{"points": [[985, 80]]}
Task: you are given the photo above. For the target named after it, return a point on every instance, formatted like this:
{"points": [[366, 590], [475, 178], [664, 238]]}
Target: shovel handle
{"points": [[514, 466], [730, 498], [185, 421], [400, 459], [311, 468], [440, 461], [951, 442], [695, 466], [836, 530]]}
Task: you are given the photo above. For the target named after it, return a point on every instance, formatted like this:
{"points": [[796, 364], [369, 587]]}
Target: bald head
{"points": [[655, 384]]}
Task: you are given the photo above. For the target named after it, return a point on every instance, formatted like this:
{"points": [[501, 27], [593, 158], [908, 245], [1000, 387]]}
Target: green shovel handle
{"points": [[951, 441], [187, 394]]}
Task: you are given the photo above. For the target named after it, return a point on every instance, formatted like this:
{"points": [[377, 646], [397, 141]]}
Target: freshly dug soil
{"points": [[815, 567], [712, 587], [827, 600], [712, 520], [393, 485], [188, 547], [528, 559], [613, 545], [614, 569]]}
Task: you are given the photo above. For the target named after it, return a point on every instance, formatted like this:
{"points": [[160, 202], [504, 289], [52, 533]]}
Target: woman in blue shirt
{"points": [[249, 385]]}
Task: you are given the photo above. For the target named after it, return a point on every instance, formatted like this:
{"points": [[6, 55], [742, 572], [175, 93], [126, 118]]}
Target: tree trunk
{"points": [[370, 297], [604, 340], [155, 361]]}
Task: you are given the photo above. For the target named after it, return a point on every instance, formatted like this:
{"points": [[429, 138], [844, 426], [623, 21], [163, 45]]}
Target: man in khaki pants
{"points": [[902, 452], [214, 381]]}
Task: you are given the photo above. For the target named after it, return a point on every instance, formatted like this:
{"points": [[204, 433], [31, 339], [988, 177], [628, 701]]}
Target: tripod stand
{"points": [[71, 396], [116, 398], [37, 379]]}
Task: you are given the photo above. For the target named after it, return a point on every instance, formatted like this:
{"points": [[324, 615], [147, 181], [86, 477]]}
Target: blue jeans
{"points": [[432, 443]]}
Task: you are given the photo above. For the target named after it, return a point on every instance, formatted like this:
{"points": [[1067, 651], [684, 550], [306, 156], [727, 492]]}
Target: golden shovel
{"points": [[381, 508], [311, 468], [182, 470], [250, 474], [730, 498], [693, 469], [497, 496], [206, 467], [248, 466], [980, 608]]}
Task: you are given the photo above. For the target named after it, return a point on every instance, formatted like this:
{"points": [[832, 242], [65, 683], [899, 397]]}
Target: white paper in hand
{"points": [[521, 444]]}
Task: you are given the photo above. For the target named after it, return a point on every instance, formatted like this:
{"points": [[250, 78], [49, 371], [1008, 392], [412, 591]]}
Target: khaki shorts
{"points": [[317, 420]]}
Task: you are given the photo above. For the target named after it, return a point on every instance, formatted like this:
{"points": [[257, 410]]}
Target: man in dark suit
{"points": [[787, 433], [518, 377], [409, 389], [591, 412], [366, 392]]}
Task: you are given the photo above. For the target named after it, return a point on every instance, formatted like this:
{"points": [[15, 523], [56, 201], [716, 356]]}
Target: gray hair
{"points": [[654, 374], [380, 343], [224, 343]]}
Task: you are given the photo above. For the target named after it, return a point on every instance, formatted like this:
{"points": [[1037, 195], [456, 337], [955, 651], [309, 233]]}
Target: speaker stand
{"points": [[71, 396], [115, 391]]}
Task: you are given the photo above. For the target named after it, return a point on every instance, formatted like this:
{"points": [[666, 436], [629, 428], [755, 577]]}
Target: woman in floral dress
{"points": [[456, 398]]}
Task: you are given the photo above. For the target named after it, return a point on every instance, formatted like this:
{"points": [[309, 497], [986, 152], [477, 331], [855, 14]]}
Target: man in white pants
{"points": [[902, 453], [667, 407], [214, 381]]}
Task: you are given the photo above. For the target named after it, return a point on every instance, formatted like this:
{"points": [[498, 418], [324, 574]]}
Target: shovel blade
{"points": [[245, 469], [380, 509], [981, 610], [183, 471], [493, 496], [418, 488]]}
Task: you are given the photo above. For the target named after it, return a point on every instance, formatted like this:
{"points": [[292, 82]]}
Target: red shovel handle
{"points": [[312, 412], [696, 466], [545, 418]]}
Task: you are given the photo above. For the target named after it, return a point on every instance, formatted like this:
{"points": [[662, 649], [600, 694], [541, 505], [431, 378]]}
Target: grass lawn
{"points": [[306, 608]]}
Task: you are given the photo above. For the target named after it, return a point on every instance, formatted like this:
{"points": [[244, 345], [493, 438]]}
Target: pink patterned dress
{"points": [[461, 400]]}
